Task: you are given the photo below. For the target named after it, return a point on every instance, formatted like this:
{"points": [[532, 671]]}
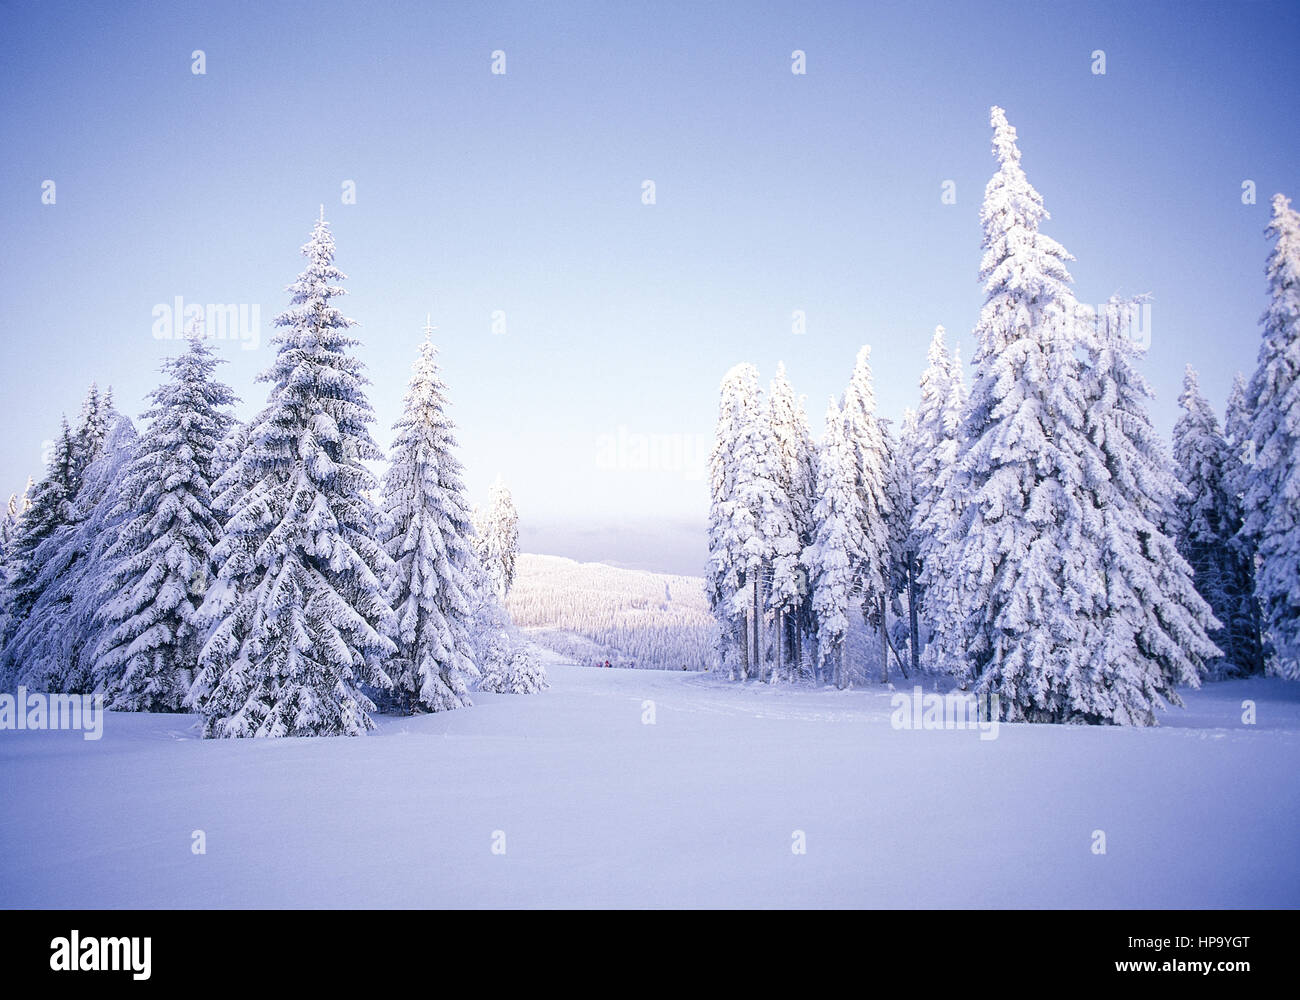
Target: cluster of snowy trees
{"points": [[594, 612], [1028, 534], [1241, 528], [248, 571]]}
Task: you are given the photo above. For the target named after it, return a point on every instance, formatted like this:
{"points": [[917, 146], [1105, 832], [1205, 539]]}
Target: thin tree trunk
{"points": [[758, 648], [798, 641], [744, 646], [884, 644], [912, 616], [780, 641]]}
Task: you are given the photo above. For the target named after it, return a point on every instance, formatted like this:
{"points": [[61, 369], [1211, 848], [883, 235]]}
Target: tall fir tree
{"points": [[1246, 621], [429, 540], [730, 523], [872, 460], [1023, 556], [907, 490], [797, 478], [938, 505], [933, 443], [1208, 521], [777, 522], [838, 545], [298, 617], [1272, 484], [1154, 624], [771, 539], [161, 561]]}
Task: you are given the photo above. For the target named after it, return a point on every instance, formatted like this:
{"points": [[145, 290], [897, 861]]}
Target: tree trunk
{"points": [[744, 647], [758, 648], [798, 641], [884, 643], [780, 641], [912, 616]]}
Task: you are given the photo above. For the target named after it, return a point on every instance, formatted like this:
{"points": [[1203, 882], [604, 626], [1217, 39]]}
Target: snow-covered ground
{"points": [[699, 809]]}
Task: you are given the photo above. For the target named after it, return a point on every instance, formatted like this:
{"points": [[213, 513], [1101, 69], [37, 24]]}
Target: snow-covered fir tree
{"points": [[837, 548], [299, 619], [52, 647], [730, 523], [1154, 624], [504, 658], [92, 426], [160, 564], [50, 509], [797, 478], [933, 449], [778, 530], [1022, 556], [1272, 484], [1208, 521], [429, 537], [904, 488], [765, 523], [496, 532], [938, 505], [1245, 621], [872, 469], [50, 506], [10, 523]]}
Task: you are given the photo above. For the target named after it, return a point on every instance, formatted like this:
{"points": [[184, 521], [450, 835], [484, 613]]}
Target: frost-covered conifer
{"points": [[504, 658], [871, 450], [797, 478], [1244, 623], [299, 619], [1022, 556], [96, 414], [160, 563], [53, 644], [1208, 520], [50, 508], [429, 538], [837, 547], [1272, 483], [1154, 624], [496, 530], [731, 523]]}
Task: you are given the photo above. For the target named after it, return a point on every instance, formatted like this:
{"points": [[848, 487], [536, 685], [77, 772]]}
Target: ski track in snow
{"points": [[699, 809]]}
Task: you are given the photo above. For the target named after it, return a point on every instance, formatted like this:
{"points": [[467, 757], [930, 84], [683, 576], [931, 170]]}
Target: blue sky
{"points": [[522, 193]]}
